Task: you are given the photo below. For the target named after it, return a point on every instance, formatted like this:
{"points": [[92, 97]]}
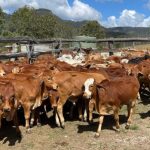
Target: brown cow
{"points": [[110, 96], [69, 86], [29, 93], [8, 107]]}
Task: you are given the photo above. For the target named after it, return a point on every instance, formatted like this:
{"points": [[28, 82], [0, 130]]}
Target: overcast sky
{"points": [[110, 13]]}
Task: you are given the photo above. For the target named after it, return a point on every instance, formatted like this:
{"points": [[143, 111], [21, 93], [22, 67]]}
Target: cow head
{"points": [[7, 100], [88, 88], [54, 96], [2, 72], [16, 70], [50, 83]]}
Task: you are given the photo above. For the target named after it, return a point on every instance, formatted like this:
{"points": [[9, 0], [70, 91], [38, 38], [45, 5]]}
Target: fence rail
{"points": [[40, 41], [29, 54]]}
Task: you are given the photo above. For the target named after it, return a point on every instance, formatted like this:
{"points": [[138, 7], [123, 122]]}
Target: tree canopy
{"points": [[93, 28], [42, 23]]}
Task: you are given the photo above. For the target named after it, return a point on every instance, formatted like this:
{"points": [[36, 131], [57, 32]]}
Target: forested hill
{"points": [[42, 23], [128, 32]]}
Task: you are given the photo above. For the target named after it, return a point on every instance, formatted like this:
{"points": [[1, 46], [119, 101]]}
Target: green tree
{"points": [[2, 20], [93, 28], [27, 22], [21, 21], [43, 26]]}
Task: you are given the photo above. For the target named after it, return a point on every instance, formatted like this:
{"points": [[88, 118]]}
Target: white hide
{"points": [[87, 84], [124, 61], [77, 60]]}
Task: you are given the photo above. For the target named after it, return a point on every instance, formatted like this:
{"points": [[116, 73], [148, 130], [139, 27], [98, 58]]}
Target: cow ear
{"points": [[140, 74], [101, 85], [104, 81]]}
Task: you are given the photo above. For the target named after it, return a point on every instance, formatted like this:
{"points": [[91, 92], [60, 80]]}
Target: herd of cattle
{"points": [[92, 81]]}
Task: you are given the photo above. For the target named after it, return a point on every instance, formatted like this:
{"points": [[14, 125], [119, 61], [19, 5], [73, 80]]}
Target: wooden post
{"points": [[133, 44], [110, 47], [30, 53]]}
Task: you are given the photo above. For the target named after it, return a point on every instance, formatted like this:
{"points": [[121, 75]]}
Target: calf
{"points": [[69, 85], [8, 108], [29, 93], [111, 96]]}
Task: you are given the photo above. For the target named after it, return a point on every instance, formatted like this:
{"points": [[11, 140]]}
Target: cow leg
{"points": [[138, 96], [38, 117], [59, 113], [130, 108], [80, 107], [15, 120], [116, 117], [86, 110], [71, 110], [91, 108], [32, 118], [27, 117], [101, 118]]}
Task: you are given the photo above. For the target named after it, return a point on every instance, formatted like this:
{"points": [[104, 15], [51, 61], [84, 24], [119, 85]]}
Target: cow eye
{"points": [[91, 86]]}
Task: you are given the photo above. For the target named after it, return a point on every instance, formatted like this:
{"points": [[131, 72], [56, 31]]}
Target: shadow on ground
{"points": [[108, 123], [8, 134]]}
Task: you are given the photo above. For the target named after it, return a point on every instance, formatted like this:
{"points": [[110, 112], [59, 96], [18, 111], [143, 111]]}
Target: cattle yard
{"points": [[58, 100]]}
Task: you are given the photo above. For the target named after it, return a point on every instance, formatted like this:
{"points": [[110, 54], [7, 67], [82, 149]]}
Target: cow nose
{"points": [[6, 110], [85, 95]]}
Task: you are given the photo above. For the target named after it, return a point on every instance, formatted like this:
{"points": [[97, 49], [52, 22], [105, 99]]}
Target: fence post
{"points": [[110, 47], [30, 53]]}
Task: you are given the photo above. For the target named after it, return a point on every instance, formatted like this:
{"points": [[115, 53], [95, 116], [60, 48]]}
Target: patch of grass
{"points": [[134, 127]]}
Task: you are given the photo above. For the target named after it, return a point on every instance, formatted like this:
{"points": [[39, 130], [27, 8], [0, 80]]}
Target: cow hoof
{"points": [[85, 119], [127, 126], [39, 125], [63, 126], [28, 131], [97, 135], [58, 125], [117, 130], [81, 119]]}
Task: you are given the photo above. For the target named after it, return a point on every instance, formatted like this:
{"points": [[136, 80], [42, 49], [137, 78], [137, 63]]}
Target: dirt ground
{"points": [[79, 135]]}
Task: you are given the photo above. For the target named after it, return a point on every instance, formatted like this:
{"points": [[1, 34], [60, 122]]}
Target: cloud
{"points": [[128, 18], [111, 21], [77, 11]]}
